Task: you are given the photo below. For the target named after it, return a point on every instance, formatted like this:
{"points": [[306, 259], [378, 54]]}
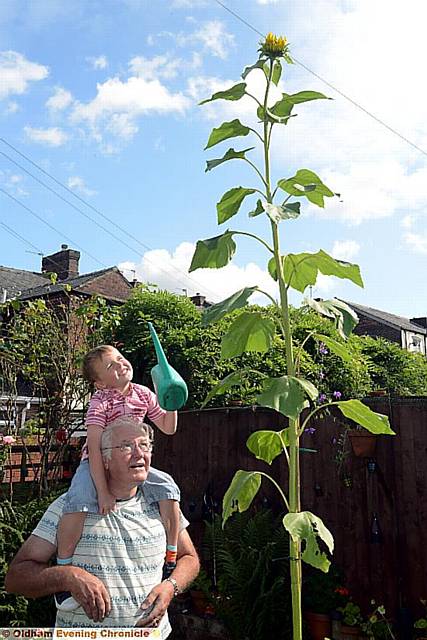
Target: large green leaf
{"points": [[249, 332], [259, 64], [229, 155], [344, 317], [361, 414], [234, 379], [287, 395], [336, 347], [213, 253], [239, 495], [301, 269], [230, 202], [281, 110], [234, 93], [304, 96], [226, 130], [276, 213], [220, 309], [305, 526], [267, 445], [307, 184]]}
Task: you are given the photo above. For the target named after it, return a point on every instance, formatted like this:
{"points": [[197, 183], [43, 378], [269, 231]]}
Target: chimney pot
{"points": [[64, 263]]}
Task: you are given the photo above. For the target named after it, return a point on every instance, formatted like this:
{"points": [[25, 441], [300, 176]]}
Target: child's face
{"points": [[113, 371]]}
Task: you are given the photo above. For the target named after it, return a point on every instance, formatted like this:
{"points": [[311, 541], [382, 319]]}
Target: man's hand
{"points": [[106, 503], [161, 596], [90, 592]]}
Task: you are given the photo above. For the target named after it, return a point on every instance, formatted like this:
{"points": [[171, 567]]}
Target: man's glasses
{"points": [[129, 448]]}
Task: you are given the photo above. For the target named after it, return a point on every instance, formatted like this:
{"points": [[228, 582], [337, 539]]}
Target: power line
{"points": [[36, 215], [331, 86], [15, 234], [58, 182]]}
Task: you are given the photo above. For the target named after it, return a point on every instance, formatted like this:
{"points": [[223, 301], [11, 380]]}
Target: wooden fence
{"points": [[210, 446]]}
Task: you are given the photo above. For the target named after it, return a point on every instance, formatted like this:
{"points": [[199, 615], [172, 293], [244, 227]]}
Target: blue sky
{"points": [[103, 95]]}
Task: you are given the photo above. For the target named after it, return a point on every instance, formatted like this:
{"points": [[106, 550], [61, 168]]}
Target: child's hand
{"points": [[106, 502]]}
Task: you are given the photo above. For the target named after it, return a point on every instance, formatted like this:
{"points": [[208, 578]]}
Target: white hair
{"points": [[143, 428]]}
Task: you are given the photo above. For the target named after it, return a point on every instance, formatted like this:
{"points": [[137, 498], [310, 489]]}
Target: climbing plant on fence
{"points": [[280, 204]]}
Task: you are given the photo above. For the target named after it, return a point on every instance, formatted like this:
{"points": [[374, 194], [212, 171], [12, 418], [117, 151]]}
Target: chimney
{"points": [[198, 300], [64, 263], [421, 322]]}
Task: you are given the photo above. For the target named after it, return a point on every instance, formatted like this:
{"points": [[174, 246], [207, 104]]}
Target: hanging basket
{"points": [[363, 443]]}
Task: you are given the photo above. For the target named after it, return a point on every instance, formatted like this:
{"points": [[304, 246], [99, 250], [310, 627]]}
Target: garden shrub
{"points": [[17, 521]]}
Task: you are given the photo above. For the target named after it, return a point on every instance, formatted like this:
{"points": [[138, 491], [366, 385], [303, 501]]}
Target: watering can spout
{"points": [[171, 390], [161, 358]]}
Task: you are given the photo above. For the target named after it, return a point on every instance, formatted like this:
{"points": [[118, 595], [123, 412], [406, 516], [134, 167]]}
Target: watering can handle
{"points": [[161, 358]]}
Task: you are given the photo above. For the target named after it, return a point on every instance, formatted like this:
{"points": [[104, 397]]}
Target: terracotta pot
{"points": [[363, 443], [350, 633], [319, 625]]}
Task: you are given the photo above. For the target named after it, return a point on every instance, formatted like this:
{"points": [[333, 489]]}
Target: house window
{"points": [[415, 344]]}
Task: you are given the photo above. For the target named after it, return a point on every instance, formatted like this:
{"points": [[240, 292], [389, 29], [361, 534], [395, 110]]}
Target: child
{"points": [[116, 395]]}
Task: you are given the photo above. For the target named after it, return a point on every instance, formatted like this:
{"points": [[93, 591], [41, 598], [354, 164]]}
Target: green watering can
{"points": [[171, 390]]}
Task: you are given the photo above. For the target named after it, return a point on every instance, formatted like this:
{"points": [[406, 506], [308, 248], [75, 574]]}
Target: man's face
{"points": [[113, 371], [130, 456]]}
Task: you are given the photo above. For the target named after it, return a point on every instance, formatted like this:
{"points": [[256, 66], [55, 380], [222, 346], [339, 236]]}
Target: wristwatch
{"points": [[174, 584]]}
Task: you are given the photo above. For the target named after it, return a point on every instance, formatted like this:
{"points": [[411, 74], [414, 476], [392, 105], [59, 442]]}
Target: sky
{"points": [[99, 102]]}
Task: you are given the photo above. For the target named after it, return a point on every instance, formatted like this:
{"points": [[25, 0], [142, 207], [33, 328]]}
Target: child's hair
{"points": [[94, 355]]}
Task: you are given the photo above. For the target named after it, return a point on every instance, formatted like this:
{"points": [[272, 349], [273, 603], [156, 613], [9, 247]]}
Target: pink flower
{"points": [[8, 440]]}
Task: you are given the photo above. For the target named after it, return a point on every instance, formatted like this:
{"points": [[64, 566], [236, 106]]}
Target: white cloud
{"points": [[417, 242], [78, 184], [12, 107], [214, 38], [118, 104], [407, 221], [345, 250], [99, 62], [157, 67], [170, 271], [60, 100], [17, 72], [53, 137]]}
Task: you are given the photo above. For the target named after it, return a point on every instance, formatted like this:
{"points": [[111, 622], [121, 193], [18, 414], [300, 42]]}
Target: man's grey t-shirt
{"points": [[125, 549]]}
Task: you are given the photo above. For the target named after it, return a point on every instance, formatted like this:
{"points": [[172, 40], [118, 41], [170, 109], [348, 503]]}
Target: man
{"points": [[117, 565]]}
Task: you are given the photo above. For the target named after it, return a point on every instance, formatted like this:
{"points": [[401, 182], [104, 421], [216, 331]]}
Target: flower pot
{"points": [[350, 633], [363, 443], [319, 625]]}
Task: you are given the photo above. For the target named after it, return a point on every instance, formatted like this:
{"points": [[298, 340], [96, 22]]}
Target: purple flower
{"points": [[322, 349], [322, 398], [334, 440], [321, 375], [337, 395], [311, 430]]}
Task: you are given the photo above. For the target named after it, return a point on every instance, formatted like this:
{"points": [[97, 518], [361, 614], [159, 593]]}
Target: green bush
{"points": [[16, 523]]}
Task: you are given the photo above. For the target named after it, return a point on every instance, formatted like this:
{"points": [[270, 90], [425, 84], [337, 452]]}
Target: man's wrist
{"points": [[174, 584]]}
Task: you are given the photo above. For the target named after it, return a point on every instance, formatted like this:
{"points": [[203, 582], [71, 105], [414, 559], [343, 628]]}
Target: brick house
{"points": [[27, 285], [410, 334]]}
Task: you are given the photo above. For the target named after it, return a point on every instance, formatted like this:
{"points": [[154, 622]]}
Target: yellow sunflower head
{"points": [[274, 46]]}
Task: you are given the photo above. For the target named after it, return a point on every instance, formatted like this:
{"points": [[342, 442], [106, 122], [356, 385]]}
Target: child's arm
{"points": [[106, 501], [167, 422]]}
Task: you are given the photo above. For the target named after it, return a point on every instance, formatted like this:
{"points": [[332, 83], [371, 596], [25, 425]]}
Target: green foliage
{"points": [[16, 523], [249, 561], [393, 368]]}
